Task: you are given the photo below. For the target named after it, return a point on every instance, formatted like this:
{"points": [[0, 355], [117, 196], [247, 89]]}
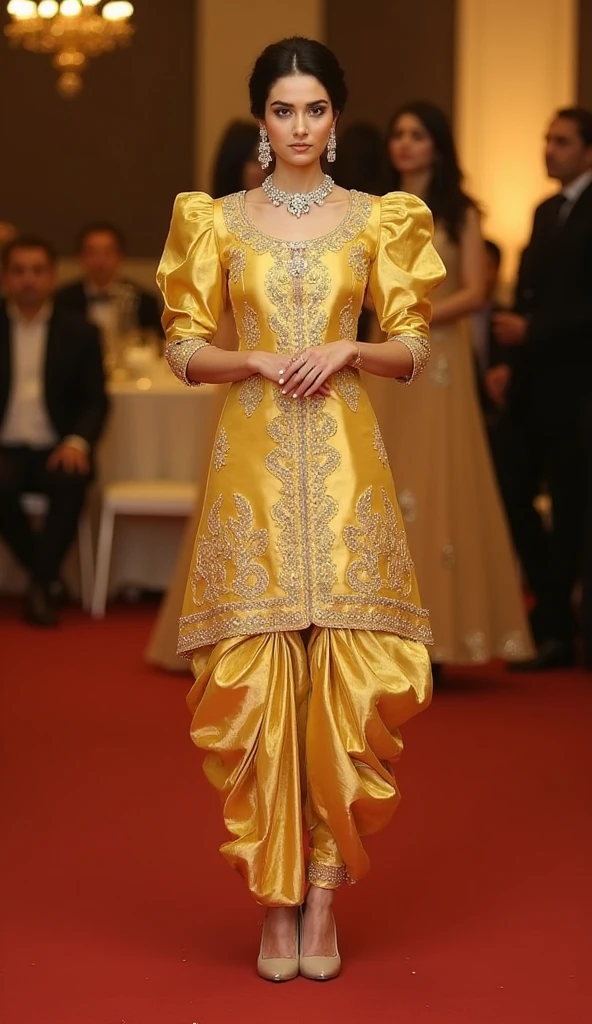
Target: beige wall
{"points": [[229, 36], [516, 62]]}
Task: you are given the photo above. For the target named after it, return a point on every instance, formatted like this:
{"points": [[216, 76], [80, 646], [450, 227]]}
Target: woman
{"points": [[302, 616], [235, 167], [446, 486]]}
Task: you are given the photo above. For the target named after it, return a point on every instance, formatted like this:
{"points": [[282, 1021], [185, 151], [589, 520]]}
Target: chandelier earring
{"points": [[264, 155], [332, 146]]}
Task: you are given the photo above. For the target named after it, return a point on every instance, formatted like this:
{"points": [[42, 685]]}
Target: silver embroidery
{"points": [[237, 262], [178, 354], [348, 323], [378, 536], [379, 446], [250, 394], [251, 329], [347, 382], [420, 351], [476, 646], [514, 647], [221, 449], [237, 542], [359, 261]]}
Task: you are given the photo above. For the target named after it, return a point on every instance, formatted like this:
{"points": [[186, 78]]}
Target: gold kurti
{"points": [[300, 528], [300, 524]]}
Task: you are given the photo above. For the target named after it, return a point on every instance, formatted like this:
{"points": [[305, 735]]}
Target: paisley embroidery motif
{"points": [[236, 542], [221, 449], [347, 382], [378, 537], [379, 446], [250, 394]]}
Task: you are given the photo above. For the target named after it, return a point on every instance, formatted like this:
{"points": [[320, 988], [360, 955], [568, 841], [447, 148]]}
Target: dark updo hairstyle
{"points": [[237, 147], [296, 56], [446, 198]]}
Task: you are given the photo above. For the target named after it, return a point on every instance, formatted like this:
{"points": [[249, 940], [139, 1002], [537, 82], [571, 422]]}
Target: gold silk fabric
{"points": [[300, 521], [305, 728]]}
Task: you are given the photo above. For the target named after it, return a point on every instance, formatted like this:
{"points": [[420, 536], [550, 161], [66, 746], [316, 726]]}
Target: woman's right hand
{"points": [[271, 365]]}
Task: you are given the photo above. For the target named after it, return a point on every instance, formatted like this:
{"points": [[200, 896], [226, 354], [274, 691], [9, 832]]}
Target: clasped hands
{"points": [[307, 373]]}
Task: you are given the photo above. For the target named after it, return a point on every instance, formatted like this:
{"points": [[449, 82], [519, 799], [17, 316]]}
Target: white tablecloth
{"points": [[158, 429]]}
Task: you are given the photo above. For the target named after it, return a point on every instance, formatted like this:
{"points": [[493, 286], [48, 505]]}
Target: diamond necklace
{"points": [[297, 203]]}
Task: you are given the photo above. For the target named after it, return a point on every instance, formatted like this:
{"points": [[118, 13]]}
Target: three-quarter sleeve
{"points": [[191, 280], [405, 269]]}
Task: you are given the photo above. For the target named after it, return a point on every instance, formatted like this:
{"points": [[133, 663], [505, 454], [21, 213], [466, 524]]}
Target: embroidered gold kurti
{"points": [[300, 521]]}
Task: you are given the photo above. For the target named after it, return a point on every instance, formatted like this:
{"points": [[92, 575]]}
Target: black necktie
{"points": [[562, 208]]}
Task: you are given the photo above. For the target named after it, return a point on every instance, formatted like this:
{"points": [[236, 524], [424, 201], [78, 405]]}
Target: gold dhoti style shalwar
{"points": [[302, 616]]}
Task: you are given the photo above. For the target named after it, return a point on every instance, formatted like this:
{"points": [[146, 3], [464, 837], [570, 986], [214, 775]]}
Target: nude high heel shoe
{"points": [[319, 968], [278, 968]]}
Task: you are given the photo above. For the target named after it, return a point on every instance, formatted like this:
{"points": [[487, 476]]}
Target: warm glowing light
{"points": [[117, 10], [90, 3], [22, 8], [48, 8], [70, 8]]}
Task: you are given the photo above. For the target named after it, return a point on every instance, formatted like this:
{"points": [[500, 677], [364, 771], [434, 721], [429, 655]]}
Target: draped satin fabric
{"points": [[302, 613], [304, 730]]}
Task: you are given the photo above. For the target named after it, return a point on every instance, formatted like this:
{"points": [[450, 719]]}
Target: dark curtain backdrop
{"points": [[120, 150], [393, 51], [585, 61]]}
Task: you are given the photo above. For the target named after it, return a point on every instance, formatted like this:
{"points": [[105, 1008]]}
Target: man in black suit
{"points": [[52, 410], [546, 433], [112, 303]]}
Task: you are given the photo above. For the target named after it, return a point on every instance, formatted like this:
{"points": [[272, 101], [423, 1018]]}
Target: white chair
{"points": [[36, 505], [134, 498]]}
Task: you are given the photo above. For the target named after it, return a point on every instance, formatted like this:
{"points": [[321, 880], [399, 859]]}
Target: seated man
{"points": [[52, 410], [102, 297]]}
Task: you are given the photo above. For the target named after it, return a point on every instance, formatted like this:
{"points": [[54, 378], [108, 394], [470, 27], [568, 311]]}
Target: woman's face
{"points": [[410, 146], [298, 118], [253, 173]]}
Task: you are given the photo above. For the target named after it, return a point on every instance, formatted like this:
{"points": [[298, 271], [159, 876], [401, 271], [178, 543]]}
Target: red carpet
{"points": [[117, 908]]}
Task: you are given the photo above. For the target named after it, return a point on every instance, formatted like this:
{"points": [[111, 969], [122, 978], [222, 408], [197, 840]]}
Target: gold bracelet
{"points": [[357, 363]]}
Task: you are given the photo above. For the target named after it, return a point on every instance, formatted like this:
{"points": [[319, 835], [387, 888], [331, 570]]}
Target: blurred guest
{"points": [[52, 410], [547, 436], [440, 457], [236, 166], [111, 302], [360, 158], [7, 233]]}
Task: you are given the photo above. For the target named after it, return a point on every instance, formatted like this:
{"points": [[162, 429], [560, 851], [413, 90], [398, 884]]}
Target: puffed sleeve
{"points": [[191, 280], [405, 269]]}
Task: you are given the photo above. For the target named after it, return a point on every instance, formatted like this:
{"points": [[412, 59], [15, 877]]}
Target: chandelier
{"points": [[73, 30]]}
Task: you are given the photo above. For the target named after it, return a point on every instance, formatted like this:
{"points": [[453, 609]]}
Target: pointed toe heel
{"points": [[320, 968], [278, 968]]}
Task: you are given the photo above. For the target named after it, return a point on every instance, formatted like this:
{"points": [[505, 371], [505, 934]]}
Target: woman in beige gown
{"points": [[455, 522], [236, 167]]}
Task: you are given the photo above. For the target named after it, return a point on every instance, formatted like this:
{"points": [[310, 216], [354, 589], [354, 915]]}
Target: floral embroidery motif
{"points": [[359, 261], [237, 542], [347, 382], [251, 329], [513, 646], [379, 536], [178, 354], [348, 323], [250, 394], [237, 262], [221, 449], [379, 446]]}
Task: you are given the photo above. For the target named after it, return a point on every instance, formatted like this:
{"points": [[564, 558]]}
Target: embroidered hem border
{"points": [[206, 628], [328, 876]]}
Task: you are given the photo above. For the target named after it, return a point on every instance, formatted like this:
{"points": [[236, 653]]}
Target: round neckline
{"points": [[302, 241]]}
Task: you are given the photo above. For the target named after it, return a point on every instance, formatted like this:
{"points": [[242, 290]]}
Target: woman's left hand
{"points": [[308, 371]]}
